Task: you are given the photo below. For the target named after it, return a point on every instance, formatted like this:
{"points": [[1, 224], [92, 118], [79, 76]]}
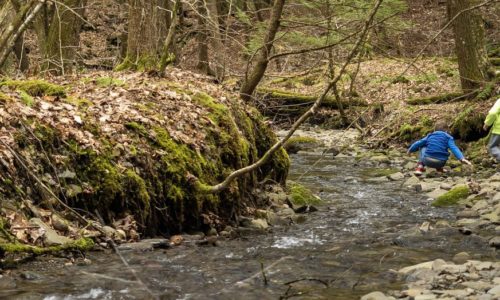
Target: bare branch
{"points": [[10, 41]]}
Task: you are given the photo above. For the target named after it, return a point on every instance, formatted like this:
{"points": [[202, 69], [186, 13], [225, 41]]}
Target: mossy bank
{"points": [[131, 149]]}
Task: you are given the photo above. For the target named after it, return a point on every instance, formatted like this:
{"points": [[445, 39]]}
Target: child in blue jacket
{"points": [[434, 150]]}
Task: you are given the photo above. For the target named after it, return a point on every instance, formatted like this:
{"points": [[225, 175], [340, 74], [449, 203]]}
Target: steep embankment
{"points": [[124, 146]]}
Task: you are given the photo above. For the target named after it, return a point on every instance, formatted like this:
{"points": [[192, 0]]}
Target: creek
{"points": [[344, 250]]}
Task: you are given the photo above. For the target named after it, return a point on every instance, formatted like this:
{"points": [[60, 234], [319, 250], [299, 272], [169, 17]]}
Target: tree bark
{"points": [[251, 81], [202, 39], [168, 56], [216, 38], [63, 37], [147, 29], [469, 43]]}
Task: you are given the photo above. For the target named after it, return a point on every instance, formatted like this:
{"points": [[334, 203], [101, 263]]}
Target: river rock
{"points": [[145, 245], [468, 213], [493, 217], [259, 224], [59, 223], [436, 193], [380, 158], [376, 296], [446, 186], [425, 297], [51, 237], [481, 204], [109, 231], [482, 286], [495, 242], [378, 179], [428, 186], [408, 270], [461, 257], [286, 212], [495, 291], [397, 176], [412, 181]]}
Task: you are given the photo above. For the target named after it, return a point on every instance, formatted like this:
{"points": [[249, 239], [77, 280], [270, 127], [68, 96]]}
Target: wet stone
{"points": [[376, 296], [461, 257], [495, 242], [468, 213]]}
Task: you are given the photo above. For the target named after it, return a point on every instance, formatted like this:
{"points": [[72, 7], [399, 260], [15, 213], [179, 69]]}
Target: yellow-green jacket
{"points": [[493, 118]]}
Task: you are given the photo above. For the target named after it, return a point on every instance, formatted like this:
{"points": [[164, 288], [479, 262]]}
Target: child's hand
{"points": [[464, 161], [486, 127]]}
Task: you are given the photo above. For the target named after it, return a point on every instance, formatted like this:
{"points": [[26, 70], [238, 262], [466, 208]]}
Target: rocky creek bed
{"points": [[375, 231]]}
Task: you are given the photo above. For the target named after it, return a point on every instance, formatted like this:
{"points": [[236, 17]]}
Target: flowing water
{"points": [[342, 251]]}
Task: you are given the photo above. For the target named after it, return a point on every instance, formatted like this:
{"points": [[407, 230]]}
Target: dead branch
{"points": [[10, 40]]}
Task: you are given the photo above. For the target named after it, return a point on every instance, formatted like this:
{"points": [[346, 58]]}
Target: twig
{"points": [[241, 282]]}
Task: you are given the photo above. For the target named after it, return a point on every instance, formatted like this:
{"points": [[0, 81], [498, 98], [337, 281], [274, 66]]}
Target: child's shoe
{"points": [[420, 169]]}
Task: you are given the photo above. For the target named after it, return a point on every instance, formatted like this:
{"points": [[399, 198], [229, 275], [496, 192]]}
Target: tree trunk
{"points": [[202, 39], [216, 38], [147, 29], [469, 44], [168, 56], [251, 81], [61, 44]]}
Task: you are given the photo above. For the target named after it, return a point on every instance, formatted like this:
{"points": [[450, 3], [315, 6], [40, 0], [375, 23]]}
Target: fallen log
{"points": [[295, 99]]}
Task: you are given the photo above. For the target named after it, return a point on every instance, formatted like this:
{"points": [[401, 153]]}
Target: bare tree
{"points": [[252, 80]]}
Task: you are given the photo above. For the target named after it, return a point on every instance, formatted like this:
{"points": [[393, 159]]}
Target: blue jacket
{"points": [[437, 144]]}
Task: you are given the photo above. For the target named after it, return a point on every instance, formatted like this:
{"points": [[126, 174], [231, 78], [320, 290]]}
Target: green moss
{"points": [[452, 196], [139, 128], [477, 150], [36, 88], [468, 124], [436, 99], [409, 132], [138, 192], [141, 64], [486, 92], [400, 79], [218, 111], [79, 102], [109, 81], [105, 177], [26, 98], [82, 244], [300, 195]]}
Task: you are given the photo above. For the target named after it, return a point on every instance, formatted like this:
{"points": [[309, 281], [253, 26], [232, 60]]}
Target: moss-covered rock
{"points": [[82, 244], [300, 195], [452, 197], [297, 143], [142, 164], [36, 88], [408, 132], [468, 125]]}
